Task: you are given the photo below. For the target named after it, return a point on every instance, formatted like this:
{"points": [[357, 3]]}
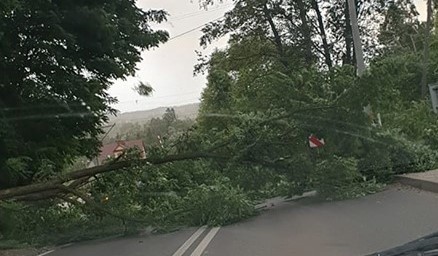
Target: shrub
{"points": [[414, 157], [398, 153], [376, 164], [407, 155], [417, 122]]}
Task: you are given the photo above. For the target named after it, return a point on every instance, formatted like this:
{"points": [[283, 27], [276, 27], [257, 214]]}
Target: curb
{"points": [[269, 203], [418, 183]]}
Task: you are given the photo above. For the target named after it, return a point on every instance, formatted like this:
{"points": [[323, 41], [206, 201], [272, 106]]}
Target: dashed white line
{"points": [[189, 241], [204, 243], [45, 253]]}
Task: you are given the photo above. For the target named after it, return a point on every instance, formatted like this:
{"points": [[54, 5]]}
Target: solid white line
{"points": [[45, 253], [204, 243], [66, 245], [189, 241]]}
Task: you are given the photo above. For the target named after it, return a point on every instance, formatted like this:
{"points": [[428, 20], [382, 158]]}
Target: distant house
{"points": [[113, 150]]}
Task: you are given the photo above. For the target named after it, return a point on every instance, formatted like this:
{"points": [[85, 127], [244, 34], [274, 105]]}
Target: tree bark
{"points": [[307, 35], [277, 38], [326, 48]]}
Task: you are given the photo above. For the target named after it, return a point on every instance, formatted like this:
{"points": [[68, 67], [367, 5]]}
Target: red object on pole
{"points": [[314, 142]]}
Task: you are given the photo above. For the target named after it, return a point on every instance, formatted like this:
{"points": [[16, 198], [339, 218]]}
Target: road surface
{"points": [[354, 227]]}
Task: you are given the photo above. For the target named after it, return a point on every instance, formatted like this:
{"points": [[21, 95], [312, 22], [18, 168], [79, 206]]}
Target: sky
{"points": [[169, 68]]}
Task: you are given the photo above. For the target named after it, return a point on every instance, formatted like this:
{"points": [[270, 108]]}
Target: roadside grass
{"points": [[13, 244], [70, 236]]}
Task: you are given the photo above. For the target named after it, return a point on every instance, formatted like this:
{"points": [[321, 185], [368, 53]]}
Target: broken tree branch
{"points": [[90, 202], [51, 188]]}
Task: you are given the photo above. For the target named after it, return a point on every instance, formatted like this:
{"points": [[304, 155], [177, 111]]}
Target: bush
{"points": [[417, 122], [407, 155], [414, 157], [396, 154], [338, 178], [376, 164]]}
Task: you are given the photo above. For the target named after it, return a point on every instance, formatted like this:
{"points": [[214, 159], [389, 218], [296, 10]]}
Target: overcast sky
{"points": [[169, 68]]}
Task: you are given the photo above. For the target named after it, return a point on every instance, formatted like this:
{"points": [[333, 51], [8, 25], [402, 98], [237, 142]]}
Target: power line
{"points": [[194, 14], [106, 134], [184, 101], [194, 29], [161, 97]]}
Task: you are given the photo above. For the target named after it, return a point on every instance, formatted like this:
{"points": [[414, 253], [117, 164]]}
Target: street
{"points": [[354, 227]]}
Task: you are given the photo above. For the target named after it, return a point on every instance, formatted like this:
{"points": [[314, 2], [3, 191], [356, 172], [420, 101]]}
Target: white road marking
{"points": [[66, 245], [204, 243], [45, 253], [189, 241]]}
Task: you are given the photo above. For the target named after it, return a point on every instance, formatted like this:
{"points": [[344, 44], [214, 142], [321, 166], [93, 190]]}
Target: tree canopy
{"points": [[319, 32], [58, 58]]}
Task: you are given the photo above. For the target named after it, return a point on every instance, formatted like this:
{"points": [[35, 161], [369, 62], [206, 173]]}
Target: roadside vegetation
{"points": [[288, 72]]}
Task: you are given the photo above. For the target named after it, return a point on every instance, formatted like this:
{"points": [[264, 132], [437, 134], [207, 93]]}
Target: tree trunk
{"points": [[306, 32], [426, 50], [41, 190], [277, 38], [326, 48]]}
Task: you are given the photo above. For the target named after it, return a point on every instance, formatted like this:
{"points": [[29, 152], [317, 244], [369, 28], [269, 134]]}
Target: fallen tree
{"points": [[66, 183]]}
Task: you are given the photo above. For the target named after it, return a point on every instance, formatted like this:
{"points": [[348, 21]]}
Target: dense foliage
{"points": [[58, 58], [288, 72]]}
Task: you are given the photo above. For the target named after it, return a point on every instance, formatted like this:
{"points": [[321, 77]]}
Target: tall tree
{"points": [[169, 116], [58, 58], [323, 33], [305, 31], [400, 30], [280, 22], [294, 26]]}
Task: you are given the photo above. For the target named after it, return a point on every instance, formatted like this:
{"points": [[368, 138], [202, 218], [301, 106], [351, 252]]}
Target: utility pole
{"points": [[360, 63], [96, 159], [106, 134], [426, 51]]}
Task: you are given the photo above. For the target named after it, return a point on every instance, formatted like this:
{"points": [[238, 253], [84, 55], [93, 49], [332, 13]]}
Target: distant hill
{"points": [[189, 111], [122, 120]]}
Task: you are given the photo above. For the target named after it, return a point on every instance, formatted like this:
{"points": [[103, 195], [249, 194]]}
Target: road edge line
{"points": [[185, 246], [205, 242], [45, 253]]}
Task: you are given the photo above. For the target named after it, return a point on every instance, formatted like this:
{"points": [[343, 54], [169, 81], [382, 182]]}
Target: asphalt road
{"points": [[354, 227]]}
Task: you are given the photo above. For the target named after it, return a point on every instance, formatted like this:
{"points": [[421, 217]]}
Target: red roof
{"points": [[108, 150]]}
